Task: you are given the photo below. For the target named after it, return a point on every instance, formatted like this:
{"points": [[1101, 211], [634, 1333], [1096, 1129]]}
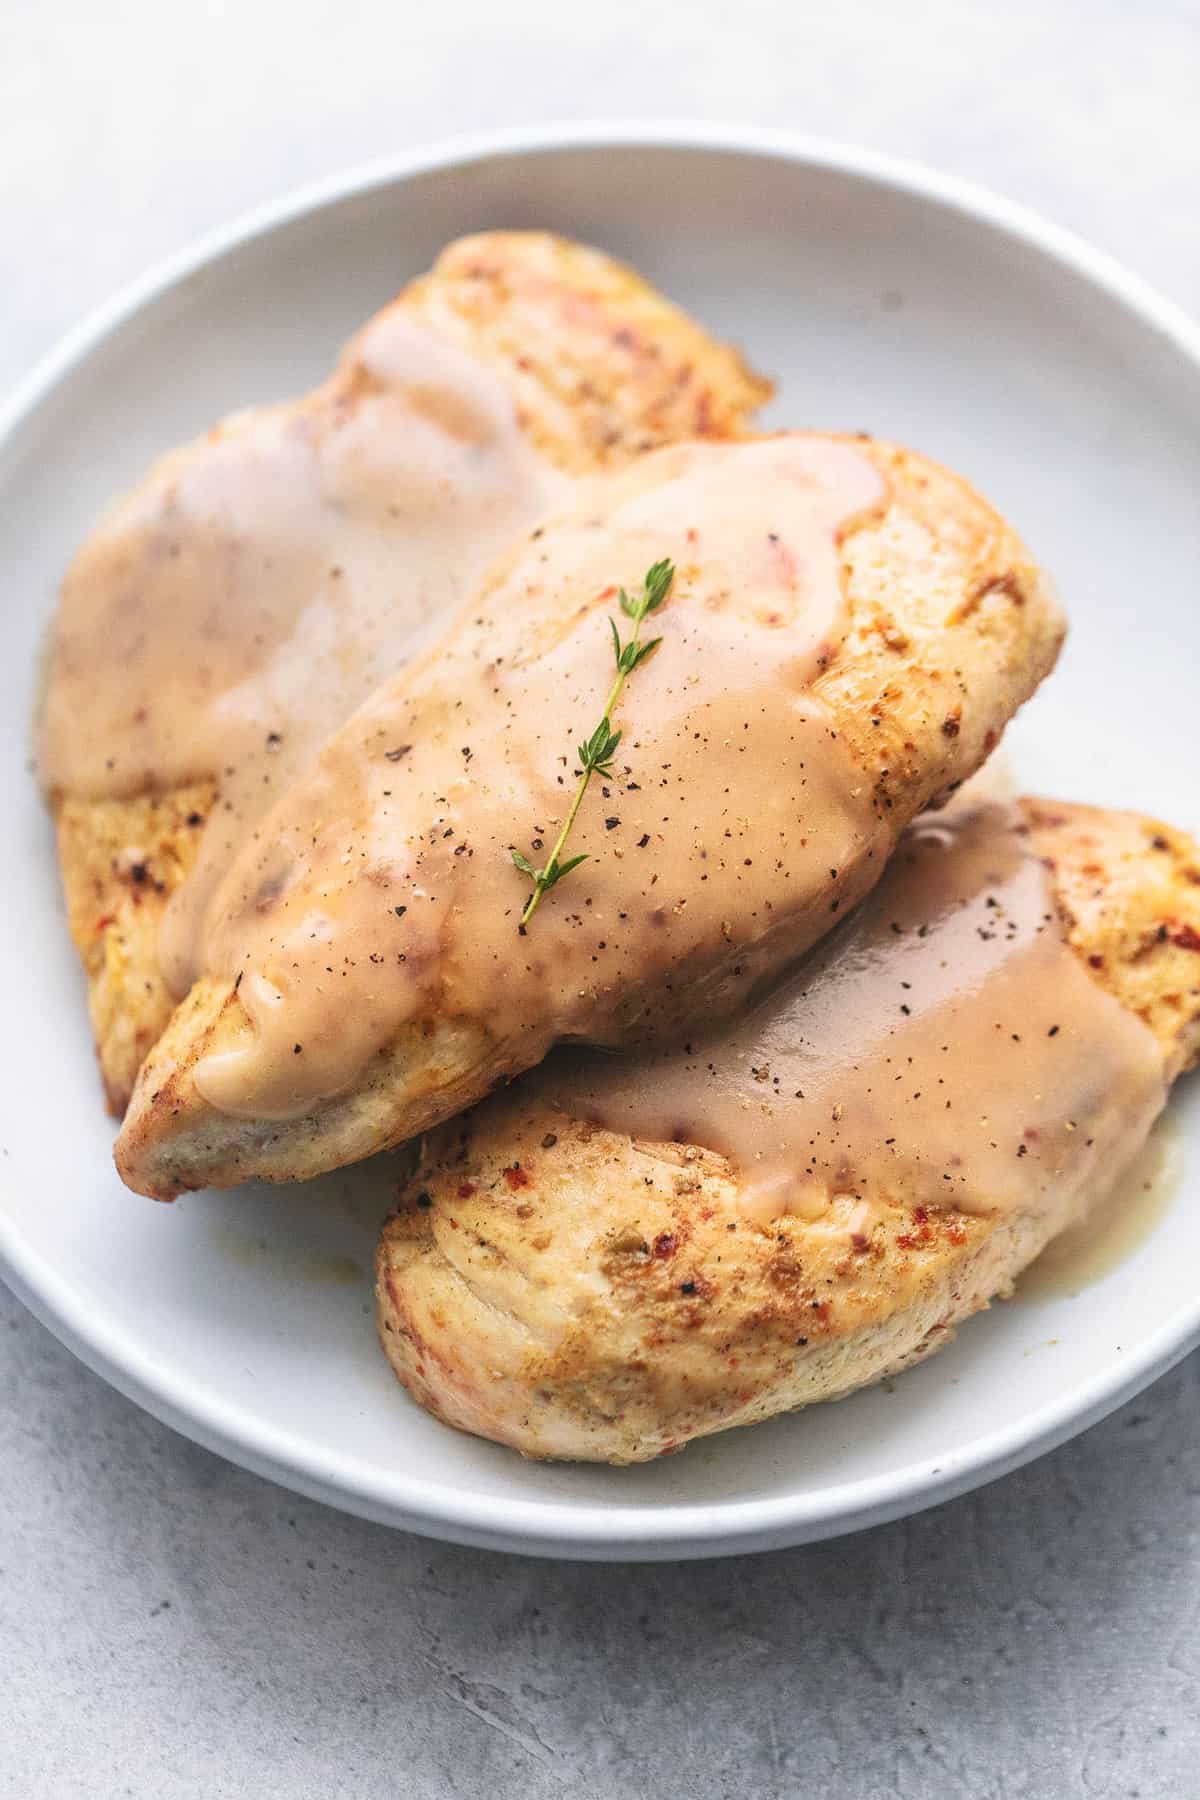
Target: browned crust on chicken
{"points": [[601, 367], [1128, 889], [121, 861], [573, 1293], [951, 627]]}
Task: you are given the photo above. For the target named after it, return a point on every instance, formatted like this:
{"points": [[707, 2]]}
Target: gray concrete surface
{"points": [[170, 1626]]}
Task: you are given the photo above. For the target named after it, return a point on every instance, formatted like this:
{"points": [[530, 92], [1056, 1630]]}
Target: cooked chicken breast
{"points": [[578, 1291], [849, 630], [594, 367]]}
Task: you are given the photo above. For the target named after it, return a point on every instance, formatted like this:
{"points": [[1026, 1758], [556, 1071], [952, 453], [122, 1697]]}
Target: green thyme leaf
{"points": [[657, 585], [561, 869], [616, 638]]}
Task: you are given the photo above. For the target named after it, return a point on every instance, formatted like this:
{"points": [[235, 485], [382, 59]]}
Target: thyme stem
{"points": [[597, 751]]}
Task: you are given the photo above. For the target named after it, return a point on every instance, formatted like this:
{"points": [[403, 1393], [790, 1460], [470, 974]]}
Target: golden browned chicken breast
{"points": [[260, 583], [849, 629], [614, 1258]]}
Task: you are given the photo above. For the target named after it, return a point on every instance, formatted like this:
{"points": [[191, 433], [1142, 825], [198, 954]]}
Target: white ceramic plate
{"points": [[881, 297]]}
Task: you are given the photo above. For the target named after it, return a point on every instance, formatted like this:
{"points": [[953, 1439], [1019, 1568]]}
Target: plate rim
{"points": [[564, 1527]]}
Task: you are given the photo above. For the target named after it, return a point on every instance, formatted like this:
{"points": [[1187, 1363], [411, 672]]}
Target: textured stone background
{"points": [[170, 1626]]}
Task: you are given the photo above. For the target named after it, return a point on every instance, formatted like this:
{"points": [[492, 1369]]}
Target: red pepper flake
{"points": [[665, 1245], [516, 1177], [1187, 938], [465, 1190], [921, 1233], [107, 919]]}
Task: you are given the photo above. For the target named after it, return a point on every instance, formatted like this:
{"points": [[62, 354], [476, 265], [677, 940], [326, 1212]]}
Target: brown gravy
{"points": [[945, 1046], [382, 890], [258, 586]]}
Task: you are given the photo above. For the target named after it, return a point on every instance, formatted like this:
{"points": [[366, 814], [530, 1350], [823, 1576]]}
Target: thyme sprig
{"points": [[597, 751]]}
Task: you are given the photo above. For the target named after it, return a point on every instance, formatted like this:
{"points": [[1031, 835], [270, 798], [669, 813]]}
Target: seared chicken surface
{"points": [[576, 1291], [850, 629], [594, 366]]}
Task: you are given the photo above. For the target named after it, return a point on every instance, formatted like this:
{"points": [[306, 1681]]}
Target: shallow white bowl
{"points": [[882, 297]]}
